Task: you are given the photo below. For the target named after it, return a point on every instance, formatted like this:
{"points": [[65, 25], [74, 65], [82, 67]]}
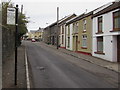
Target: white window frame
{"points": [[84, 41], [84, 24]]}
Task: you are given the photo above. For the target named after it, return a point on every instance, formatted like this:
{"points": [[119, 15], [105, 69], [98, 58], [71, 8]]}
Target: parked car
{"points": [[33, 40]]}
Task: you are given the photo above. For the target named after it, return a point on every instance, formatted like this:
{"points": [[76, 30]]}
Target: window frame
{"points": [[68, 42], [84, 25], [99, 40], [114, 17], [100, 21], [62, 29], [62, 39], [76, 27], [84, 38], [68, 30]]}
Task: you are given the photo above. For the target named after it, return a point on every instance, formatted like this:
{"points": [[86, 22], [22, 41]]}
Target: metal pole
{"points": [[16, 44], [57, 25]]}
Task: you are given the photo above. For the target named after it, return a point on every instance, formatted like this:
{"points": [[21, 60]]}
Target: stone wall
{"points": [[8, 42]]}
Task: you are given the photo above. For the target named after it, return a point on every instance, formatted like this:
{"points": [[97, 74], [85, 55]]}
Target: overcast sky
{"points": [[44, 11]]}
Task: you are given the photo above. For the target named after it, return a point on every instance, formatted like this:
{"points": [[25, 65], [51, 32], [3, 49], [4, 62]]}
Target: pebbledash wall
{"points": [[109, 38]]}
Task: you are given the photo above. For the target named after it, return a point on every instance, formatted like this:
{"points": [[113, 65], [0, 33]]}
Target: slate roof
{"points": [[111, 7]]}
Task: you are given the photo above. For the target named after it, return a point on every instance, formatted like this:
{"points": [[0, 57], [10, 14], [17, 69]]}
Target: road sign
{"points": [[11, 16]]}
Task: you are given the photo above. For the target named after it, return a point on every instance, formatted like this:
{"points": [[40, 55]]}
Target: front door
{"points": [[76, 43], [118, 48]]}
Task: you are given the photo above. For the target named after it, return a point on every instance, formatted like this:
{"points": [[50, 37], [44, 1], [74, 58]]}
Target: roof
{"points": [[40, 30], [111, 7], [66, 18], [61, 20], [33, 31], [79, 17]]}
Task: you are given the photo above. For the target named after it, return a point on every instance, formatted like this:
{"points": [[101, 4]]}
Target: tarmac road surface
{"points": [[53, 69]]}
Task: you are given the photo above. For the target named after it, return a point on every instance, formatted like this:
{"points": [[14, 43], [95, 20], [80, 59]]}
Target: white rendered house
{"points": [[106, 33], [62, 36]]}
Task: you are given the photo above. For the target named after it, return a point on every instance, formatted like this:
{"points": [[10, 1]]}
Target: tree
{"points": [[22, 24]]}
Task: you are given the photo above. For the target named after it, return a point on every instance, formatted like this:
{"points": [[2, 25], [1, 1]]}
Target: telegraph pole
{"points": [[57, 26], [16, 43]]}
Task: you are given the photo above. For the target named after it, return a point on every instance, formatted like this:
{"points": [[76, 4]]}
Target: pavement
{"points": [[114, 66], [8, 71]]}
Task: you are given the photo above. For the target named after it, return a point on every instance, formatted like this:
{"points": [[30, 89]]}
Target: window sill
{"points": [[99, 53], [84, 47], [115, 31], [99, 33]]}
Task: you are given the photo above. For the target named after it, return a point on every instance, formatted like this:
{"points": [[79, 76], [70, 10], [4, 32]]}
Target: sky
{"points": [[44, 12]]}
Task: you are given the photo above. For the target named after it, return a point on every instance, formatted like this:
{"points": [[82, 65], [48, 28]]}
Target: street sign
{"points": [[11, 16]]}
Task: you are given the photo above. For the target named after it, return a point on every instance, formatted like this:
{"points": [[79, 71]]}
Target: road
{"points": [[53, 69]]}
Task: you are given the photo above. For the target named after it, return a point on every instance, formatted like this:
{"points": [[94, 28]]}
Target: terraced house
{"points": [[85, 34], [62, 23], [95, 33], [106, 32], [79, 33], [46, 35], [69, 32]]}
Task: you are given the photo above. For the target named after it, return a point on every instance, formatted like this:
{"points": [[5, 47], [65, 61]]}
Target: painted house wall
{"points": [[88, 49], [62, 34], [53, 34], [75, 36], [109, 38], [70, 26], [46, 34]]}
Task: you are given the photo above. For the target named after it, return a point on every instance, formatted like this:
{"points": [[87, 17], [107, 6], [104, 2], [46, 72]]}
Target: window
{"points": [[62, 29], [76, 28], [116, 20], [73, 27], [100, 24], [68, 42], [68, 30], [62, 39], [84, 41], [84, 25], [100, 44]]}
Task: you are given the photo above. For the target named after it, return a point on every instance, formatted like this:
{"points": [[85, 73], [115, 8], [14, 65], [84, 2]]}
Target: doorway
{"points": [[76, 43], [118, 48]]}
